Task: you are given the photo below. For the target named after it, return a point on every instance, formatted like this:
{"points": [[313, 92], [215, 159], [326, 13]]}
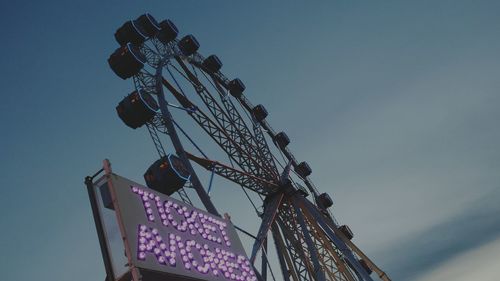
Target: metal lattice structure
{"points": [[309, 242]]}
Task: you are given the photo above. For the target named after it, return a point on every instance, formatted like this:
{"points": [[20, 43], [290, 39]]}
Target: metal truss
{"points": [[233, 125], [246, 180], [218, 134]]}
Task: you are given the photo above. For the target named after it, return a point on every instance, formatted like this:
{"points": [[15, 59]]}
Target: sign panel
{"points": [[166, 235]]}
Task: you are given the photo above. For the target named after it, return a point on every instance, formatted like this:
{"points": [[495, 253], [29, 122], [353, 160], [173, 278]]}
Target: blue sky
{"points": [[394, 104]]}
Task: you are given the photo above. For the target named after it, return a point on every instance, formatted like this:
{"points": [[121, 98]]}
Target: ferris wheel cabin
{"points": [[259, 112], [148, 25], [236, 87], [325, 201], [282, 139], [137, 109], [126, 61], [212, 64], [303, 169], [167, 175], [168, 31], [130, 32], [365, 266], [188, 45], [346, 230]]}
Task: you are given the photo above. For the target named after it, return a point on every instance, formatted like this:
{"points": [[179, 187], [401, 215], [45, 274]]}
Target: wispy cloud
{"points": [[478, 264], [432, 249]]}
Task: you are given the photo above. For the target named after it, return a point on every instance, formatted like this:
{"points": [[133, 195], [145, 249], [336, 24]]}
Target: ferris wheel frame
{"points": [[295, 222]]}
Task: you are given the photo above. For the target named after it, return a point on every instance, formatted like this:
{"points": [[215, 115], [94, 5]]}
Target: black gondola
{"points": [[325, 200], [167, 175], [303, 169], [346, 230], [188, 45], [236, 87], [148, 24], [137, 109], [168, 31], [212, 64], [259, 112], [282, 139], [130, 32], [126, 61]]}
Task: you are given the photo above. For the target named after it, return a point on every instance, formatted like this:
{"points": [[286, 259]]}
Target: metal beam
{"points": [[286, 265], [101, 235], [218, 134], [295, 243], [271, 208], [260, 167], [179, 149], [241, 178], [319, 272]]}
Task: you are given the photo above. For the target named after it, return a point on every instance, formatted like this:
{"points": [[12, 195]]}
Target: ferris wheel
{"points": [[168, 74]]}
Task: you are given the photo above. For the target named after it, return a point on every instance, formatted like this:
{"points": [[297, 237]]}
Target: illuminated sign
{"points": [[169, 236]]}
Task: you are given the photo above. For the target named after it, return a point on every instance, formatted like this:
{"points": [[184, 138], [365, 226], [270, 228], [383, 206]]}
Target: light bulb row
{"points": [[194, 256]]}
